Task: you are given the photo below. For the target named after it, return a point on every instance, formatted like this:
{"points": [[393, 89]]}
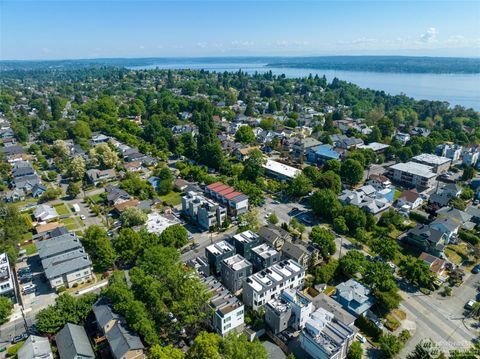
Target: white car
{"points": [[469, 304], [30, 288], [82, 217]]}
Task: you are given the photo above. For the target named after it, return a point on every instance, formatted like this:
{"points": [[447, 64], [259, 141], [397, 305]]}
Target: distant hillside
{"points": [[402, 64]]}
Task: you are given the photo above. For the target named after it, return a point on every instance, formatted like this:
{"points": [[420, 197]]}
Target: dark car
{"points": [[19, 338], [476, 269]]}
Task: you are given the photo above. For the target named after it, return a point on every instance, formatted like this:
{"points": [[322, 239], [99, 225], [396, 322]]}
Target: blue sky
{"points": [[64, 29]]}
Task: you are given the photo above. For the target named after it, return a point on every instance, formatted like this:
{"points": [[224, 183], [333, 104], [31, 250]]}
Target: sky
{"points": [[73, 29]]}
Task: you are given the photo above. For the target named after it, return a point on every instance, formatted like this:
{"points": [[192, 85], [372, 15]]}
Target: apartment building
{"points": [[413, 174], [203, 211], [217, 252], [6, 277], [235, 202], [264, 256], [439, 164], [261, 287], [228, 311], [326, 336], [244, 242]]}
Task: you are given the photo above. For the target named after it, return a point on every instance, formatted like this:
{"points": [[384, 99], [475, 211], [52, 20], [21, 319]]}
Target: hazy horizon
{"points": [[70, 30]]}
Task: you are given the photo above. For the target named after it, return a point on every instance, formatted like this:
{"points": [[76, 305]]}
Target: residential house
{"points": [[234, 270], [379, 182], [96, 176], [123, 342], [135, 166], [449, 151], [35, 347], [427, 239], [435, 264], [15, 195], [368, 198], [302, 146], [243, 153], [409, 199], [45, 213], [443, 195], [470, 156], [300, 253], [345, 142], [26, 183], [180, 184], [274, 236], [403, 138], [38, 190], [420, 131], [72, 343], [120, 207], [322, 154], [354, 297], [68, 269], [116, 195]]}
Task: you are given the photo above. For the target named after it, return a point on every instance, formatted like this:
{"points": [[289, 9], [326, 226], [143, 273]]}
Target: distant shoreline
{"points": [[380, 64]]}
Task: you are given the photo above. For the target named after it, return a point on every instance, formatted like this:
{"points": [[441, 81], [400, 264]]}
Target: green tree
{"points": [[377, 275], [205, 346], [416, 271], [103, 156], [355, 351], [76, 169], [300, 186], [249, 221], [253, 166], [50, 194], [386, 247], [245, 135], [174, 236], [73, 189], [351, 171], [326, 272], [426, 349], [132, 217], [352, 262], [129, 245], [330, 180], [273, 219], [99, 247], [167, 352], [6, 307], [468, 173], [390, 345], [324, 239], [340, 225], [355, 217], [325, 203], [166, 181], [267, 123]]}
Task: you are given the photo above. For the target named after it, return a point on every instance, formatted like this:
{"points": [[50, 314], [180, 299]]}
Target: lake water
{"points": [[457, 89]]}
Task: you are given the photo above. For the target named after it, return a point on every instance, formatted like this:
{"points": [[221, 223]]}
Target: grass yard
{"points": [[172, 199], [30, 248], [400, 314], [26, 237], [452, 255], [397, 194], [391, 323], [61, 209], [97, 198]]}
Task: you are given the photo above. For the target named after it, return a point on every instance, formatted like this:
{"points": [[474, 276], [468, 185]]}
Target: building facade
{"points": [[234, 270]]}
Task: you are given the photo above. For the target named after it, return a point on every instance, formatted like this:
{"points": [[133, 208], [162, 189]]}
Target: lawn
{"points": [[70, 223], [391, 323], [61, 209], [172, 199], [30, 248], [452, 256], [97, 198]]}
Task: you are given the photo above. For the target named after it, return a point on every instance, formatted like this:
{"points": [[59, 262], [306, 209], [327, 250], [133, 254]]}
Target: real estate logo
{"points": [[430, 348]]}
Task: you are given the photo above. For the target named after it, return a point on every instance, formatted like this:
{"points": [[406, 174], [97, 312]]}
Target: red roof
{"points": [[214, 185], [226, 191], [220, 188], [232, 195]]}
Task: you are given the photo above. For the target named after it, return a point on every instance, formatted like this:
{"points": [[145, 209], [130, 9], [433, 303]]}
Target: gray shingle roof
{"points": [[103, 313], [58, 245], [121, 340], [72, 341], [35, 348]]}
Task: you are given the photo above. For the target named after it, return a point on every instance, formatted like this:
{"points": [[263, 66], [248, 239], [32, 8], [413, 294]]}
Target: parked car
{"points": [[476, 269], [361, 338], [82, 217], [469, 304], [29, 288]]}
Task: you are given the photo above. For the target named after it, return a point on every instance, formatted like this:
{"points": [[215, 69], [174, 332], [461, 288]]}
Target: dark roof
{"points": [[22, 171], [13, 150], [294, 251], [270, 233], [72, 341], [103, 313], [122, 340]]}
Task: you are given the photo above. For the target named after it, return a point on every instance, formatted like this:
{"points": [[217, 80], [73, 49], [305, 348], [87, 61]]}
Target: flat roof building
{"points": [[280, 170], [234, 271], [413, 174], [267, 284], [228, 311], [244, 242], [217, 252], [264, 256], [439, 164], [6, 278]]}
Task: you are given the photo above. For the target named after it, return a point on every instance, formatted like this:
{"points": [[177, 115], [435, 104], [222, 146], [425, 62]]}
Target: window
{"points": [[240, 312], [227, 326], [227, 319]]}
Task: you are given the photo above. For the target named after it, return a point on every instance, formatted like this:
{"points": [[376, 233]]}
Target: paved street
{"points": [[439, 318]]}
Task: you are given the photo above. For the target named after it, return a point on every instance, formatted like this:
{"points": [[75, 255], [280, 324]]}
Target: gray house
{"points": [[354, 297], [234, 270], [35, 348], [73, 343]]}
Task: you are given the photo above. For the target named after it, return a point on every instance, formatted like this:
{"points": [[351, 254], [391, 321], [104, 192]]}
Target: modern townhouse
{"points": [[235, 202], [203, 211], [234, 270], [216, 253], [267, 284], [6, 277], [244, 242], [264, 256], [228, 311]]}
